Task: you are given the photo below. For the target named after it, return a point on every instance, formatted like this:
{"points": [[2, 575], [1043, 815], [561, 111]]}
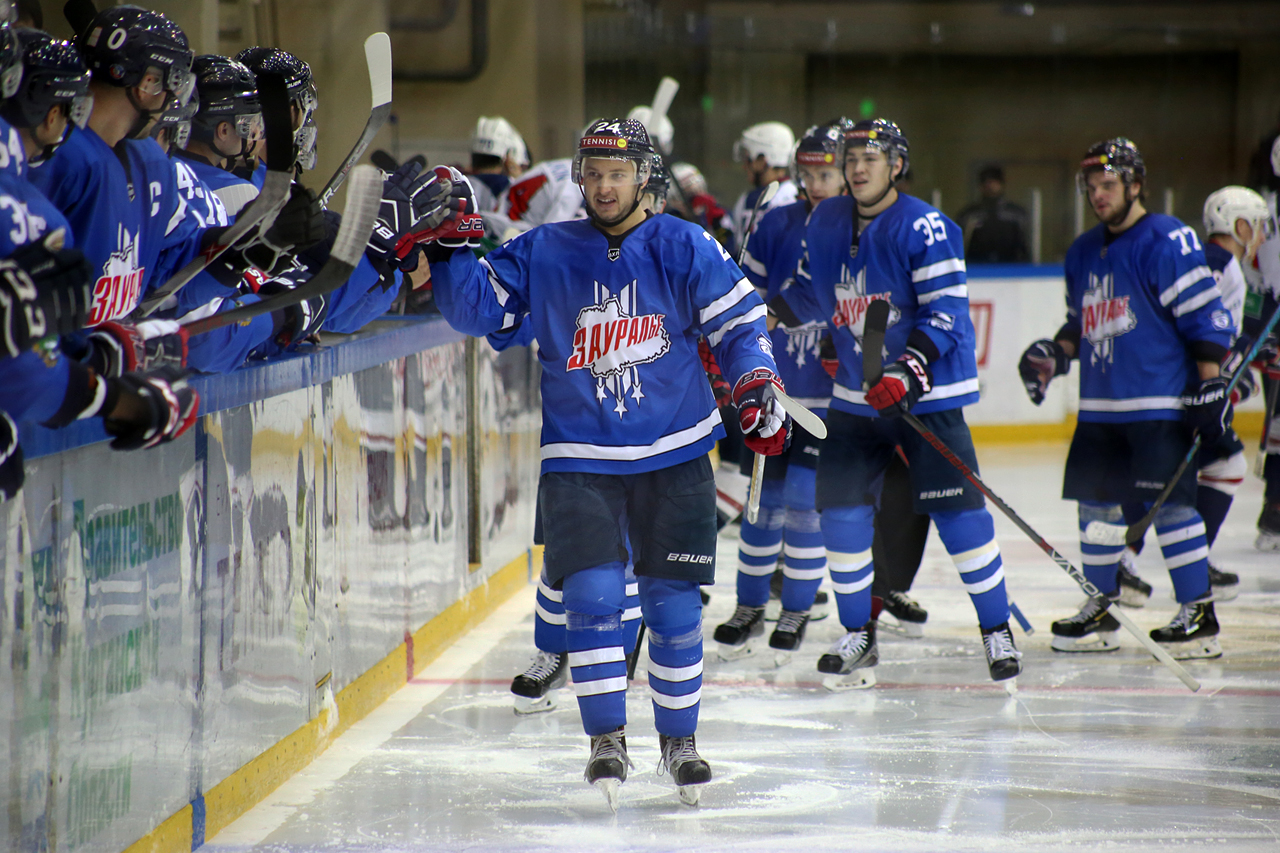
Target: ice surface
{"points": [[1093, 752]]}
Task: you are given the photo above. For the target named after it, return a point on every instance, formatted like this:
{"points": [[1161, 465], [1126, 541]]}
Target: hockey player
{"points": [[1145, 320], [616, 305], [225, 129], [764, 150], [303, 103], [498, 156], [1268, 538], [906, 252], [787, 510]]}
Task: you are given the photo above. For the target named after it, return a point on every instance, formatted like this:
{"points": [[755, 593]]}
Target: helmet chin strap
{"points": [[597, 220], [138, 130]]}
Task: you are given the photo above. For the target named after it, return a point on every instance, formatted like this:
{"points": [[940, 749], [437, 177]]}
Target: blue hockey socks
{"points": [[548, 618], [1101, 562], [847, 532], [593, 601], [673, 612], [970, 538], [804, 553], [761, 545], [1181, 534]]}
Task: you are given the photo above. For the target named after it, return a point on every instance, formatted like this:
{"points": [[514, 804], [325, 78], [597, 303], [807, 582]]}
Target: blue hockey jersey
{"points": [[617, 321], [773, 252], [1138, 301], [13, 157], [913, 257]]}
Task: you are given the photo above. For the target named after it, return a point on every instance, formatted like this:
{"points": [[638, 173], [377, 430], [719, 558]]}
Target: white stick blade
{"points": [[1102, 533], [812, 423], [364, 196], [377, 53], [769, 192], [662, 99]]}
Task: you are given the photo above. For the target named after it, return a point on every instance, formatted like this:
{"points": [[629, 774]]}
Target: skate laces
{"points": [[850, 645], [676, 751], [1188, 616], [543, 667], [789, 621], [901, 600], [1000, 646], [743, 616], [1088, 611], [609, 745]]}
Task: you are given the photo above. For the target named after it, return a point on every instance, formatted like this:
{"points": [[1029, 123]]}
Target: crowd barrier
{"points": [[184, 627]]}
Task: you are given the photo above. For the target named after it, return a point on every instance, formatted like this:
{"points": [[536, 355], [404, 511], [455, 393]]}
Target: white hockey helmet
{"points": [[689, 178], [496, 137], [773, 139], [664, 134], [1223, 207], [1275, 157]]}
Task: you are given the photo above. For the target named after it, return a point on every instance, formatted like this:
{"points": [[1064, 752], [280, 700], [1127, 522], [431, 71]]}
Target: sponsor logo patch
{"points": [[117, 290], [700, 559], [852, 300], [935, 494]]}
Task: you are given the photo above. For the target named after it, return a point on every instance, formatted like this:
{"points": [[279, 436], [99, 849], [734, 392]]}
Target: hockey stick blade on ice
{"points": [[1102, 533], [363, 199], [260, 214], [877, 322], [377, 53]]}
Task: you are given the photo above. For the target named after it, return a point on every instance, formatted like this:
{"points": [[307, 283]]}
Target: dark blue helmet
{"points": [[822, 144], [1119, 156], [52, 74], [123, 42], [659, 179], [227, 91], [302, 93], [616, 139], [882, 135]]}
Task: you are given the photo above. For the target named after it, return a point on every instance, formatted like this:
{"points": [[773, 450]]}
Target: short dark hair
{"points": [[30, 9], [485, 161], [992, 172]]}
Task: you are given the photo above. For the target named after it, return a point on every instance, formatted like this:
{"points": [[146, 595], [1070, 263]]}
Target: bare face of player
{"points": [[1110, 199], [868, 172], [821, 182], [609, 188]]}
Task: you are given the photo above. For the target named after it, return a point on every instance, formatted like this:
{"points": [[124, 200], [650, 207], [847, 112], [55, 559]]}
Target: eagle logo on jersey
{"points": [[612, 341], [852, 300], [1104, 317], [117, 290]]}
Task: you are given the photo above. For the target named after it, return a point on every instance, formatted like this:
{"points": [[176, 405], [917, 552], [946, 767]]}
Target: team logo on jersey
{"points": [[117, 290], [613, 340], [615, 252], [1105, 317], [766, 345], [852, 300], [804, 342]]}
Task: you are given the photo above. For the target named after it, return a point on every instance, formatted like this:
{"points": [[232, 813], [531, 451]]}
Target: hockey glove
{"points": [[827, 355], [902, 384], [294, 323], [165, 344], [11, 470], [720, 388], [44, 290], [1042, 361], [1207, 409], [150, 409], [411, 202], [764, 423], [115, 349], [1245, 388]]}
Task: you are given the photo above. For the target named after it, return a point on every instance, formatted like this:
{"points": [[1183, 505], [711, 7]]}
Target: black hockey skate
{"points": [[789, 634], [1003, 658], [607, 766], [1093, 629], [688, 770], [745, 623], [851, 660], [908, 617], [1193, 633], [1134, 591], [1226, 585], [532, 688], [1268, 528]]}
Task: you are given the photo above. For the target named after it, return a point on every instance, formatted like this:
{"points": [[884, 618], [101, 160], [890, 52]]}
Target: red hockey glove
{"points": [[115, 349], [827, 354], [903, 383], [169, 407], [764, 423]]}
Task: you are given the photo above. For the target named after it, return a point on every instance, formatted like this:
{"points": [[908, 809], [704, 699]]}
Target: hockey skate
{"points": [[1268, 528], [1093, 629], [789, 634], [1134, 591], [1003, 658], [688, 770], [1225, 585], [906, 617], [1193, 633], [532, 688], [851, 661], [607, 766], [745, 623]]}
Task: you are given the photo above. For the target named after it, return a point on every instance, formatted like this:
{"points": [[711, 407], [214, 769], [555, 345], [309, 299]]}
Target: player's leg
{"points": [[549, 668], [761, 544], [1269, 519], [897, 549], [804, 554], [1222, 470], [1134, 591]]}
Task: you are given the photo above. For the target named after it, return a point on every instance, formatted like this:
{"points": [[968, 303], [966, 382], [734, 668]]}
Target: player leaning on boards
{"points": [[1146, 321], [616, 303], [880, 244]]}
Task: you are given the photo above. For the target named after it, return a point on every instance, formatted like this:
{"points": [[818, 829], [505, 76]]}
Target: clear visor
{"points": [[1082, 177], [304, 138], [822, 178], [610, 171], [1267, 226], [181, 134], [742, 152], [249, 126], [8, 12], [176, 79], [10, 80], [308, 101]]}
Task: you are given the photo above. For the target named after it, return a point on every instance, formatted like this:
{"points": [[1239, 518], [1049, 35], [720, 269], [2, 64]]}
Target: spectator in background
{"points": [[995, 229]]}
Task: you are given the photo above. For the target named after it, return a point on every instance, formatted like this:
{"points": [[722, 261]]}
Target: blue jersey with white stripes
{"points": [[911, 256], [617, 321], [770, 262], [13, 156], [1138, 300]]}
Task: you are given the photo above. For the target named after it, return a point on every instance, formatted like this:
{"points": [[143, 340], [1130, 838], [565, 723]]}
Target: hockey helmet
{"points": [[689, 178], [616, 139], [494, 136], [228, 92], [51, 73], [771, 139], [662, 135], [10, 60], [659, 179], [300, 83], [1223, 207], [123, 42], [1118, 156], [882, 135]]}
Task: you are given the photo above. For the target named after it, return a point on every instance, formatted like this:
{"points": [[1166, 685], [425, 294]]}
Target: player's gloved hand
{"points": [[44, 290], [1207, 409], [903, 383], [827, 355], [764, 423], [294, 323], [1042, 361], [412, 201], [720, 388], [11, 470], [1245, 388], [149, 409], [115, 349], [165, 344]]}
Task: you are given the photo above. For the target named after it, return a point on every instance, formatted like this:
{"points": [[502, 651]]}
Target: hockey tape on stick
{"points": [[361, 211], [757, 483], [878, 320], [1022, 620], [377, 53], [812, 424], [763, 199], [1102, 533]]}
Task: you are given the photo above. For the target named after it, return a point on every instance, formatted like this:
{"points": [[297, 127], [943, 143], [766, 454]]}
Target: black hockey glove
{"points": [[1042, 361], [44, 290], [411, 202], [161, 406], [11, 469], [300, 225], [1207, 409], [903, 383], [297, 322]]}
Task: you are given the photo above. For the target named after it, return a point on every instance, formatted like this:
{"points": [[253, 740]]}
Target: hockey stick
{"points": [[377, 53], [79, 14], [358, 216], [260, 214], [878, 318], [1268, 415], [635, 653], [1102, 533], [757, 466]]}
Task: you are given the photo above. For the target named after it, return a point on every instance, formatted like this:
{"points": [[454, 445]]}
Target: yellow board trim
{"points": [[246, 787]]}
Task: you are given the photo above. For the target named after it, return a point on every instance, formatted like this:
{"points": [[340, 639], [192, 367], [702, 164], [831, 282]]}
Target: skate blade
{"points": [[525, 705], [1226, 593], [1133, 598], [781, 659], [1101, 642], [1203, 649], [729, 654], [689, 794], [609, 787], [859, 679], [1010, 685], [910, 630]]}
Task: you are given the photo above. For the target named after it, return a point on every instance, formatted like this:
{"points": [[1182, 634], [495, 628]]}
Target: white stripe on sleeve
{"points": [[941, 268], [724, 303]]}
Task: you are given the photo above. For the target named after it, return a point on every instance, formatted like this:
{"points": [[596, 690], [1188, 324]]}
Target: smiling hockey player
{"points": [[617, 303]]}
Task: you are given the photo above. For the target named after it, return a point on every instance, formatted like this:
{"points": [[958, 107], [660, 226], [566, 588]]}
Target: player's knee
{"points": [[1175, 517], [801, 487], [770, 517], [670, 607], [803, 520], [772, 493], [597, 591], [1096, 511], [838, 518], [1224, 475]]}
